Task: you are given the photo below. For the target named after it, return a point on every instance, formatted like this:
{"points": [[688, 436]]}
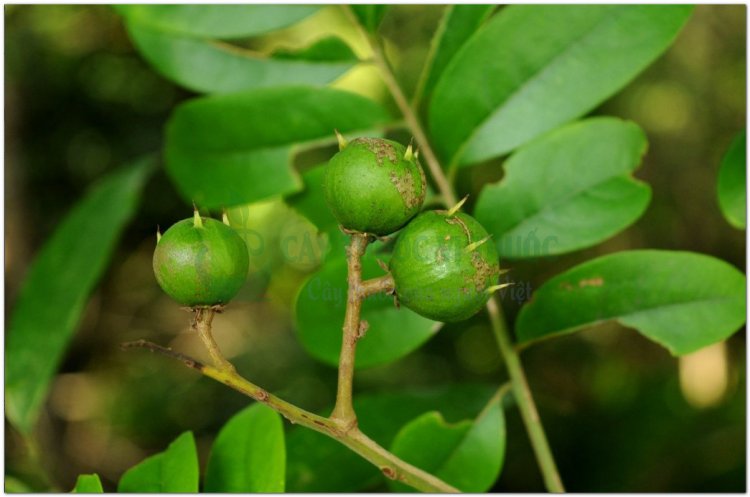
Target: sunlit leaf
{"points": [[467, 455], [570, 189], [234, 149], [681, 300], [248, 455], [531, 68], [173, 471]]}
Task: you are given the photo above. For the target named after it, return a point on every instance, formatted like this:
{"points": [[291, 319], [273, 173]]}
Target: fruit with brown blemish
{"points": [[200, 262], [443, 266], [373, 185]]}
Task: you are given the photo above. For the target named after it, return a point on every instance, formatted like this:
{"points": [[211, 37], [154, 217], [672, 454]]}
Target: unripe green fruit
{"points": [[200, 262], [374, 185], [442, 268]]}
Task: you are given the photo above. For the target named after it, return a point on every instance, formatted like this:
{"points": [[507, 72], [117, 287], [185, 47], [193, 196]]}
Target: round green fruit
{"points": [[442, 268], [374, 185], [200, 262]]}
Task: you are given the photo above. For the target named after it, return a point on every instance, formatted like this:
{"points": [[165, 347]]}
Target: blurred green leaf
{"points": [[534, 67], [459, 22], [731, 186], [248, 455], [211, 66], [681, 300], [331, 48], [235, 149], [467, 455], [369, 16], [57, 287], [311, 201], [568, 190], [173, 471], [320, 464], [320, 308], [216, 21], [88, 484]]}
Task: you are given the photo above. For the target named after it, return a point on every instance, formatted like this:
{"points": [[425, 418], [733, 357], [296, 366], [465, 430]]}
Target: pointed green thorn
{"points": [[409, 154], [458, 206], [473, 246], [225, 217], [416, 155], [494, 288], [158, 234], [342, 141], [197, 221]]}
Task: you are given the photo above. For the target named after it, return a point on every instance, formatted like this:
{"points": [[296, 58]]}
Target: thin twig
{"points": [[382, 284], [390, 465], [343, 411]]}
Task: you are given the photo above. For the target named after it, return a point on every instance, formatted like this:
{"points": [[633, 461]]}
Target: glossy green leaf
{"points": [[682, 300], [57, 287], [212, 66], [234, 149], [570, 189], [731, 186], [88, 484], [312, 455], [468, 455], [321, 305], [216, 21], [369, 16], [531, 68], [248, 455], [459, 22], [173, 471]]}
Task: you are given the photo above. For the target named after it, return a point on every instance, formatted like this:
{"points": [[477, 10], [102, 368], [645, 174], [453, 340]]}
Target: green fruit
{"points": [[374, 185], [441, 267], [200, 262]]}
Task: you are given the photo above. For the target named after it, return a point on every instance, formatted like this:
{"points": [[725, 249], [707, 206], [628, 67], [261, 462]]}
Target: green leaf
{"points": [[531, 68], [216, 21], [467, 455], [248, 455], [459, 22], [682, 300], [234, 149], [320, 308], [173, 471], [312, 455], [731, 186], [211, 66], [567, 190], [369, 16], [88, 484], [311, 202], [331, 48], [57, 287]]}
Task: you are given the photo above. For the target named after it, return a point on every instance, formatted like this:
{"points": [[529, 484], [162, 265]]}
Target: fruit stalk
{"points": [[521, 389], [343, 412]]}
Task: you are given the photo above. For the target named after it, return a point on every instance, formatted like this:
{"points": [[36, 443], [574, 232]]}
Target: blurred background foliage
{"points": [[620, 412]]}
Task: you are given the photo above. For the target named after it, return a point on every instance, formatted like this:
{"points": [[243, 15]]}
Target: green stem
{"points": [[350, 436], [524, 399], [520, 386]]}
